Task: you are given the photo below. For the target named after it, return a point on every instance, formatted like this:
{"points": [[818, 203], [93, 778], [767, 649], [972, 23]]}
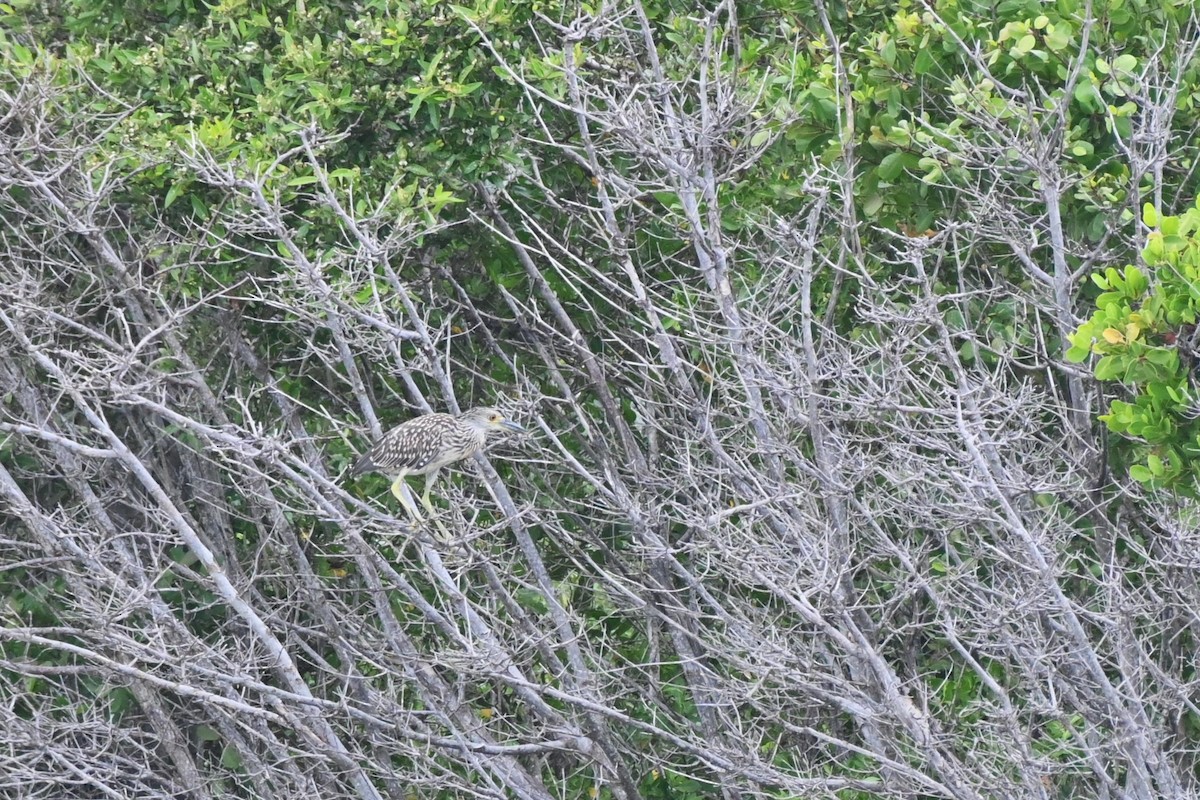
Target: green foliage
{"points": [[923, 104], [409, 85], [1143, 331]]}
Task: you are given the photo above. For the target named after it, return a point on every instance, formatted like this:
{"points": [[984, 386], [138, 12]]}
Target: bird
{"points": [[425, 444]]}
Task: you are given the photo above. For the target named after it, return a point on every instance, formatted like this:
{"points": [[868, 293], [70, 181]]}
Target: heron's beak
{"points": [[512, 426]]}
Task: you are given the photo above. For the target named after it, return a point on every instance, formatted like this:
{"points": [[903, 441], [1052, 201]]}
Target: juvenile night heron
{"points": [[424, 445]]}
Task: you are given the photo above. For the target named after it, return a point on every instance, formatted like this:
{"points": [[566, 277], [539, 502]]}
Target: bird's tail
{"points": [[364, 464]]}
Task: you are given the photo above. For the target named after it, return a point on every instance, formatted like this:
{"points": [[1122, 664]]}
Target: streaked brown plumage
{"points": [[424, 445]]}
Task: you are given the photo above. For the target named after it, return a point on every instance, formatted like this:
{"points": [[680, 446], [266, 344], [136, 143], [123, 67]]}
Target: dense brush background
{"points": [[811, 506]]}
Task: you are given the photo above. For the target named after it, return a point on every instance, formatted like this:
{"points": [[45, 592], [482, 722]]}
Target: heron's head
{"points": [[489, 419]]}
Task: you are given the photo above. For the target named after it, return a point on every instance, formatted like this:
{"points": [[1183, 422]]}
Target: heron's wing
{"points": [[364, 464], [390, 454]]}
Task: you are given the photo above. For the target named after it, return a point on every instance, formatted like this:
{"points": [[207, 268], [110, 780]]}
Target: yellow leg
{"points": [[425, 497], [400, 489], [445, 537]]}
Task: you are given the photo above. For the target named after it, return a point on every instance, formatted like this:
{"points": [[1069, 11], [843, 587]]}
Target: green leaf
{"points": [[1110, 367], [892, 165], [759, 138], [198, 206], [1059, 36], [231, 759], [173, 194], [1088, 96], [1135, 282], [532, 600], [1125, 62], [205, 733], [888, 53], [1141, 474], [1153, 252], [1150, 215], [1078, 353], [1164, 357], [924, 62], [933, 169]]}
